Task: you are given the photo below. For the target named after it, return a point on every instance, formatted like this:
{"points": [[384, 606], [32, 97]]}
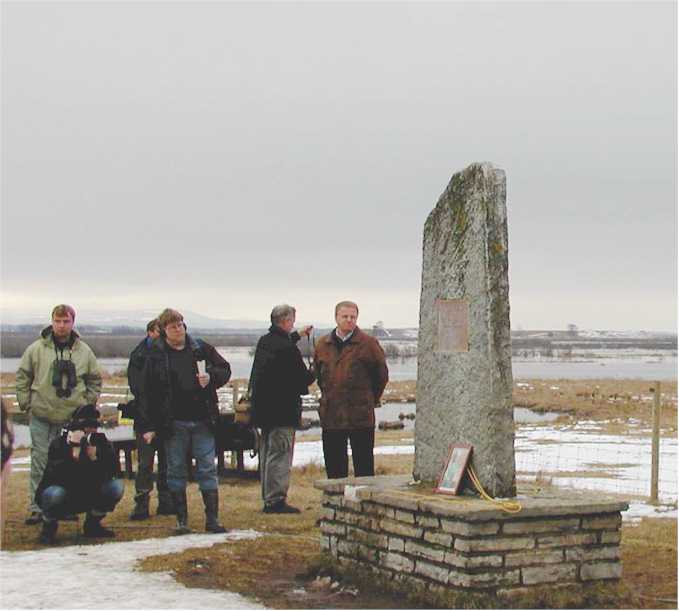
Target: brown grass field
{"points": [[598, 399]]}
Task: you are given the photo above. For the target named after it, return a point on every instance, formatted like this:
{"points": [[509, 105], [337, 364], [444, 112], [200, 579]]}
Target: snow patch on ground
{"points": [[103, 577], [638, 510], [624, 461]]}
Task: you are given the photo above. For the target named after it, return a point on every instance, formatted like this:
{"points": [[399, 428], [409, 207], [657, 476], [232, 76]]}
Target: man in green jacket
{"points": [[58, 373]]}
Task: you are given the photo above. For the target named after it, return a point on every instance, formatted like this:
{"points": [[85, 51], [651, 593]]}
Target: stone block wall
{"points": [[400, 537]]}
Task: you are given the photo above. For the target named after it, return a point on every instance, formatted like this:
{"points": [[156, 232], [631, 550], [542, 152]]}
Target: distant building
{"points": [[378, 330]]}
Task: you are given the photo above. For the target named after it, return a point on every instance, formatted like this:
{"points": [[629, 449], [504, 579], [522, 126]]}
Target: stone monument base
{"points": [[408, 534]]}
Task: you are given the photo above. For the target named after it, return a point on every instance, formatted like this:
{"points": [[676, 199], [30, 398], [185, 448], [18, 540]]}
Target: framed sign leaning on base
{"points": [[454, 468]]}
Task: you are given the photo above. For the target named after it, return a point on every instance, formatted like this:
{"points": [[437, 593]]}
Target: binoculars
{"points": [[64, 369]]}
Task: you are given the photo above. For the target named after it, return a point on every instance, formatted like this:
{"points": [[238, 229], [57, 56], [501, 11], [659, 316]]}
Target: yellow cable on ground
{"points": [[506, 506]]}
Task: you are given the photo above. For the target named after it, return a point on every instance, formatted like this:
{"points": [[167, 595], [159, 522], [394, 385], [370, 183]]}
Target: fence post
{"points": [[234, 387], [655, 445]]}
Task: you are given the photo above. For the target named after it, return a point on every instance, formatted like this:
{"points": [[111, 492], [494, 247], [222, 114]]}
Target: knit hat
{"points": [[84, 416]]}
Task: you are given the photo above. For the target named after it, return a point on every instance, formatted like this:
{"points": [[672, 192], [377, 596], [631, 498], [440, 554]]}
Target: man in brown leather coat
{"points": [[352, 373]]}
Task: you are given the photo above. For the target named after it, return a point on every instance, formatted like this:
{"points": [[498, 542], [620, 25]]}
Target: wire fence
{"points": [[583, 457]]}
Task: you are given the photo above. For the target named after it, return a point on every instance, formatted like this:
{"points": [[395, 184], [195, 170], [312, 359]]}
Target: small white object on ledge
{"points": [[350, 492]]}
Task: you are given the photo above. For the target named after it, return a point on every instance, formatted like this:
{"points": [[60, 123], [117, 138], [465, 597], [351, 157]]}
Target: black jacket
{"points": [[82, 478], [135, 367], [279, 376], [154, 411], [135, 378]]}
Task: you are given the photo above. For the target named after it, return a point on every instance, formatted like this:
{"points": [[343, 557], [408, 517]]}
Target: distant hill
{"points": [[135, 319]]}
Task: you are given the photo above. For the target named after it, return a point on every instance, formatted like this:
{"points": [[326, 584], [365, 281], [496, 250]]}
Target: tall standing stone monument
{"points": [[434, 543], [464, 377]]}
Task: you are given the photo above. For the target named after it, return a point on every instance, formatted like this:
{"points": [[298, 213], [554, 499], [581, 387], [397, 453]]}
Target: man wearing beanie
{"points": [[79, 477], [57, 374], [179, 404]]}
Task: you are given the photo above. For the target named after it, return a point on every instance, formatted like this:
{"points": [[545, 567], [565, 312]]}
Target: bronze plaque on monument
{"points": [[453, 329]]}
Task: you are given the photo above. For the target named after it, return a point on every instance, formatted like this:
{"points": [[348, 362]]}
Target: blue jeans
{"points": [[196, 438], [56, 502]]}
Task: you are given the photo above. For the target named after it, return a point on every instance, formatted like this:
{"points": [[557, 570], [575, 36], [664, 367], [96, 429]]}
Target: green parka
{"points": [[35, 392]]}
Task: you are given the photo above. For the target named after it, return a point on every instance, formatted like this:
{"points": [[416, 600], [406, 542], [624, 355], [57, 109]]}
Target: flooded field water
{"points": [[617, 365]]}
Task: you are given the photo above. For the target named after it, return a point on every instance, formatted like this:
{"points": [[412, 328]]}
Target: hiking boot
{"points": [[211, 500], [141, 507], [48, 532], [35, 517], [182, 513], [165, 504], [93, 528], [280, 507]]}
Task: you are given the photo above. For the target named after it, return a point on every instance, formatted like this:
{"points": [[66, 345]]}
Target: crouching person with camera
{"points": [[79, 477], [179, 404], [57, 374]]}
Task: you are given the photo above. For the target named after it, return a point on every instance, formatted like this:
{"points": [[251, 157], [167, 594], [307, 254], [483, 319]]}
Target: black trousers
{"points": [[335, 452], [145, 454]]}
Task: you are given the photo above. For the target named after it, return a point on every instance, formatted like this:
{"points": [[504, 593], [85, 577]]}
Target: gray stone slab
{"points": [[550, 573], [603, 570], [464, 382], [377, 482], [395, 492]]}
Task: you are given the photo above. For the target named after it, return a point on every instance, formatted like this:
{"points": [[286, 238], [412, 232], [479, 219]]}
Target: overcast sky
{"points": [[224, 157]]}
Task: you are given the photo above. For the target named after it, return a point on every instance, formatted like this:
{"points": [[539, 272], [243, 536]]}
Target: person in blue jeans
{"points": [[79, 477], [179, 404]]}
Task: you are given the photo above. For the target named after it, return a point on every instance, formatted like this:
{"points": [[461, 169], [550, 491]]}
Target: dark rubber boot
{"points": [[182, 513], [165, 504], [211, 500], [48, 532], [93, 528], [141, 507], [280, 507]]}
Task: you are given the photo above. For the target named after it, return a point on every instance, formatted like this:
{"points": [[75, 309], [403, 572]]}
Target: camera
{"points": [[82, 441], [64, 369]]}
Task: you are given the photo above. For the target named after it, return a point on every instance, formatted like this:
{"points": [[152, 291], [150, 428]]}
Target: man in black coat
{"points": [[278, 378], [146, 451], [179, 404], [80, 476]]}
